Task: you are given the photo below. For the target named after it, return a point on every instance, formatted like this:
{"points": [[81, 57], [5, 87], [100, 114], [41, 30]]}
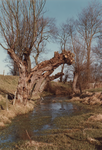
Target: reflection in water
{"points": [[34, 121]]}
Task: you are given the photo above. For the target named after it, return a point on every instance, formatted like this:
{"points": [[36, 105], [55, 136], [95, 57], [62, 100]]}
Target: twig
{"points": [[29, 136]]}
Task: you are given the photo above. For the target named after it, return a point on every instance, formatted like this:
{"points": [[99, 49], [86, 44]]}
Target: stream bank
{"points": [[6, 116]]}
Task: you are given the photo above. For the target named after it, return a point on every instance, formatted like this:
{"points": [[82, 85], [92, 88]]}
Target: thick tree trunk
{"points": [[36, 80], [75, 90], [88, 62], [22, 89]]}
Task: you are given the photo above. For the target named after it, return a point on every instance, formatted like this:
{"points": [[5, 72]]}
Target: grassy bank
{"points": [[8, 111], [13, 110], [95, 90], [58, 88], [8, 84]]}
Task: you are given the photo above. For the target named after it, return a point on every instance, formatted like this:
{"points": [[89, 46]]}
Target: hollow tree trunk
{"points": [[36, 80]]}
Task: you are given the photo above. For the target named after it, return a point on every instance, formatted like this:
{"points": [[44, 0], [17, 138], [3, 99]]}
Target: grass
{"points": [[58, 88], [95, 90], [59, 84], [8, 84], [14, 110]]}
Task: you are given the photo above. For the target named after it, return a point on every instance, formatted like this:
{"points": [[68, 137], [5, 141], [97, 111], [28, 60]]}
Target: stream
{"points": [[40, 119]]}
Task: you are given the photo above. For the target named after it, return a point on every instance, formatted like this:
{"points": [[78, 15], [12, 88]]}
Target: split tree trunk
{"points": [[38, 77]]}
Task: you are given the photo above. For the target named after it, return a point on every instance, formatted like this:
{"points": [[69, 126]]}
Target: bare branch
{"points": [[3, 47]]}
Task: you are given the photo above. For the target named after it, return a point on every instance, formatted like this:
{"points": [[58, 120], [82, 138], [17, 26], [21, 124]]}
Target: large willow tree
{"points": [[21, 26]]}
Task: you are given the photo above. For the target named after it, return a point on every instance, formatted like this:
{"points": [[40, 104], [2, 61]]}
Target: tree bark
{"points": [[75, 82], [22, 88]]}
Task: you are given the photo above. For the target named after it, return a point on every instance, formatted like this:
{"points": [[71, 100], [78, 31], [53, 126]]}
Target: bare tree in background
{"points": [[70, 40], [97, 50], [77, 46], [79, 67], [13, 69], [97, 71], [89, 25], [63, 36]]}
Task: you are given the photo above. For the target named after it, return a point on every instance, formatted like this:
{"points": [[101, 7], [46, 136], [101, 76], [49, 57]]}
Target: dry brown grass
{"points": [[89, 98], [97, 117], [21, 109], [35, 145], [2, 124], [2, 98], [58, 88], [10, 114], [4, 119], [8, 83], [75, 99], [14, 110]]}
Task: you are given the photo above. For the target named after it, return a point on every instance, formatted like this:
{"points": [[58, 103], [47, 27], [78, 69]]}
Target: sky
{"points": [[61, 10]]}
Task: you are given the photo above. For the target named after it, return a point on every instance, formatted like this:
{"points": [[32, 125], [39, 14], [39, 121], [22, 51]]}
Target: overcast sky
{"points": [[61, 10]]}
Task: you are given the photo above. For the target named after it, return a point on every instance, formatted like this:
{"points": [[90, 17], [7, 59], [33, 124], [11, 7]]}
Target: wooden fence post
{"points": [[14, 99], [3, 72], [7, 102]]}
